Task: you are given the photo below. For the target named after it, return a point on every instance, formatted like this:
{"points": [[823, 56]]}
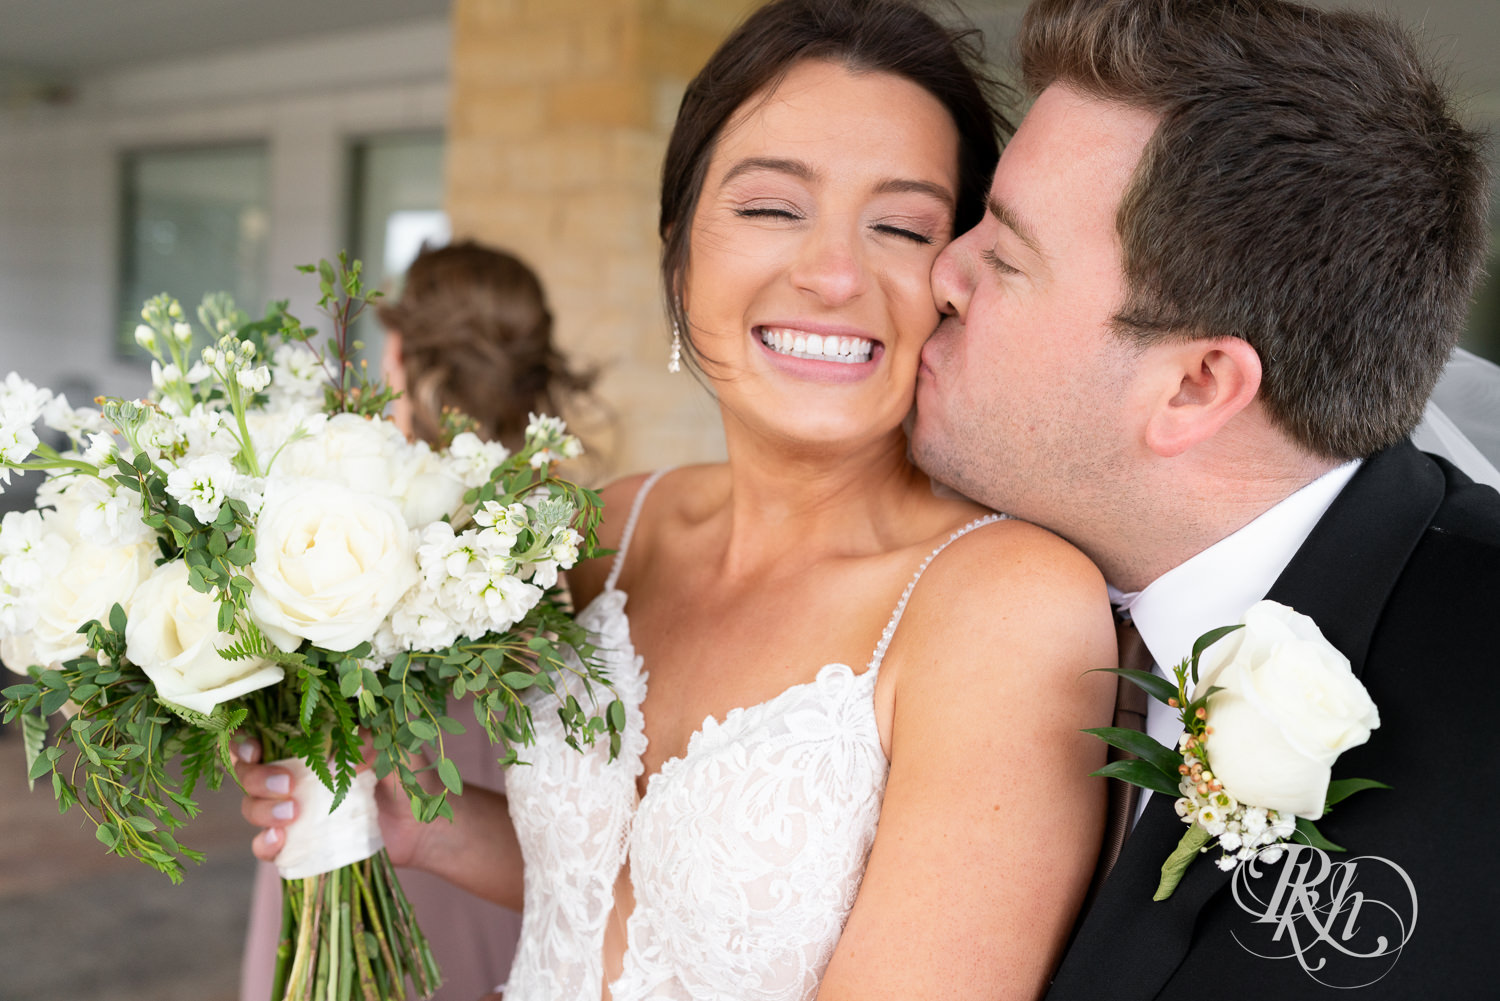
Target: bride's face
{"points": [[806, 289]]}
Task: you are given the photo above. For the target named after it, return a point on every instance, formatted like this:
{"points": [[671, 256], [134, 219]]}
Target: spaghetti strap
{"points": [[635, 514], [890, 627]]}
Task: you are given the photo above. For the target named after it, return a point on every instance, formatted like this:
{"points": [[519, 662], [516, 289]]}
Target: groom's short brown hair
{"points": [[1309, 190]]}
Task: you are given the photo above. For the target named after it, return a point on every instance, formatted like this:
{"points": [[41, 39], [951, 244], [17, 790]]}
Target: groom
{"points": [[1226, 256]]}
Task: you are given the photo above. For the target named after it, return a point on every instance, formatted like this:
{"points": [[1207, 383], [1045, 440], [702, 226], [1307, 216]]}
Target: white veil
{"points": [[1462, 422]]}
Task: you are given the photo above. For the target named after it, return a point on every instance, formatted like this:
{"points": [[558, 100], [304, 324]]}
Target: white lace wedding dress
{"points": [[745, 854]]}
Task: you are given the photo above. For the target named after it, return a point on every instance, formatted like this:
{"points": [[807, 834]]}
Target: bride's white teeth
{"points": [[849, 350]]}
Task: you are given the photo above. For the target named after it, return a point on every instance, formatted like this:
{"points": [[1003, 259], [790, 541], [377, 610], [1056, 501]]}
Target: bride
{"points": [[852, 764]]}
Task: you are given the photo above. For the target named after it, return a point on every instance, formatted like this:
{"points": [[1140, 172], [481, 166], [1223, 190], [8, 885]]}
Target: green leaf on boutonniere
{"points": [[1207, 640], [1159, 689], [1143, 774], [1341, 789], [1182, 856], [1142, 746], [1309, 835]]}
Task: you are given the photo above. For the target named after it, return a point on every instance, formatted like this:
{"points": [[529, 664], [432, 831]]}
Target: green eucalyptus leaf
{"points": [[53, 701], [518, 680], [448, 772], [117, 618], [34, 737], [422, 729]]}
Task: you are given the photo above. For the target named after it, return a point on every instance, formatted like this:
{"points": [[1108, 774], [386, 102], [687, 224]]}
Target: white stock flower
{"points": [[28, 553], [1289, 706], [101, 449], [98, 512], [75, 423], [173, 636], [299, 374], [253, 379], [204, 484], [81, 582], [22, 402], [16, 444], [159, 436], [330, 564], [145, 337], [471, 458], [207, 431]]}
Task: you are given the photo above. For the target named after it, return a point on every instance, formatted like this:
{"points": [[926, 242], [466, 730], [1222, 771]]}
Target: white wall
{"points": [[59, 175]]}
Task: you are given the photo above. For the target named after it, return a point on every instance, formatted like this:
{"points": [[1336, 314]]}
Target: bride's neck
{"points": [[815, 501]]}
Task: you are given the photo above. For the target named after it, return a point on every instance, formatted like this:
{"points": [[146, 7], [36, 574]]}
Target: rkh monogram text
{"points": [[1345, 923]]}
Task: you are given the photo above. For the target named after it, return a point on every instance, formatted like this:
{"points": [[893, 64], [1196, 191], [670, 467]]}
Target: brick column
{"points": [[559, 116]]}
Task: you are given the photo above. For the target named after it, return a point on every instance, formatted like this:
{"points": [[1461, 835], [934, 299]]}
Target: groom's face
{"points": [[1024, 395]]}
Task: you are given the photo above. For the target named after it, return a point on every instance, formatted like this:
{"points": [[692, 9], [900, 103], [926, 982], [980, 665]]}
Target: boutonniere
{"points": [[1266, 708]]}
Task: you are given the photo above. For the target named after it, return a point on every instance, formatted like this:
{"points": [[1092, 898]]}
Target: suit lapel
{"points": [[1129, 945], [1344, 573]]}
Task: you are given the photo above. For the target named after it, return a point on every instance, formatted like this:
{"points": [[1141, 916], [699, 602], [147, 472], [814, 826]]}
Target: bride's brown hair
{"points": [[878, 36]]}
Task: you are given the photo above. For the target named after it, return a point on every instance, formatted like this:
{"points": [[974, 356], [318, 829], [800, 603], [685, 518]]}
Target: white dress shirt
{"points": [[1217, 586]]}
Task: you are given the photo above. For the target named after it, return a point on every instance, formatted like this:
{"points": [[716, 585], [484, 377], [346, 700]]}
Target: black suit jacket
{"points": [[1403, 576]]}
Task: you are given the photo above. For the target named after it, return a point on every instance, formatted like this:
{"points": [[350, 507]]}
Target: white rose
{"points": [[83, 584], [431, 489], [1289, 706], [173, 636], [359, 452], [330, 564], [374, 456]]}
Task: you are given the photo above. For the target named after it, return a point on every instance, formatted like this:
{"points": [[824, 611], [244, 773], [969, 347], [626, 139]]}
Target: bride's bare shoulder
{"points": [[679, 495]]}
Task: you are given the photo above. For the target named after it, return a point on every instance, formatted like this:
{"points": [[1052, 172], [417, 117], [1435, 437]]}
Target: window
{"points": [[396, 205], [194, 221]]}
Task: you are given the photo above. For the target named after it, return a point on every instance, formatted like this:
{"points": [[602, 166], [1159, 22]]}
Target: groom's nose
{"points": [[953, 278]]}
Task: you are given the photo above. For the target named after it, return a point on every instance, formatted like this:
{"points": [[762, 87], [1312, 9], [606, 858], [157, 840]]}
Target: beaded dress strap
{"points": [[890, 627], [635, 515]]}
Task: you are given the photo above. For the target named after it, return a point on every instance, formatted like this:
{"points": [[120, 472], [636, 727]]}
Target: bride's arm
{"points": [[990, 826]]}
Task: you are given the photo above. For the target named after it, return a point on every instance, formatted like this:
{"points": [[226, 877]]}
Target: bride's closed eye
{"points": [[901, 231], [767, 212]]}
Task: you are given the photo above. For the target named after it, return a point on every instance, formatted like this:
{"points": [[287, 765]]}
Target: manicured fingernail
{"points": [[273, 836], [283, 811], [280, 783], [245, 750]]}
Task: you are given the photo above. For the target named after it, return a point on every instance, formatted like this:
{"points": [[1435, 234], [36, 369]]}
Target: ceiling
{"points": [[57, 41], [51, 42]]}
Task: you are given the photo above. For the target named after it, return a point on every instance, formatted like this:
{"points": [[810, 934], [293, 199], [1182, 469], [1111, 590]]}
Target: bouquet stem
{"points": [[350, 935]]}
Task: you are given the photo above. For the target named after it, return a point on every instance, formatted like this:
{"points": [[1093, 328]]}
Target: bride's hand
{"points": [[268, 804]]}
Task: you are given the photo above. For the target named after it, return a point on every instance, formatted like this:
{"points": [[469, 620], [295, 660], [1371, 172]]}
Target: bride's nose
{"points": [[830, 263]]}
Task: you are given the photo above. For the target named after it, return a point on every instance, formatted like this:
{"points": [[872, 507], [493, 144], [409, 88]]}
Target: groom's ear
{"points": [[1201, 385]]}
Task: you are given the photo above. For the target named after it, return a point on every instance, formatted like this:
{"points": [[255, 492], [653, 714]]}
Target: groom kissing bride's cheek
{"points": [[1223, 263]]}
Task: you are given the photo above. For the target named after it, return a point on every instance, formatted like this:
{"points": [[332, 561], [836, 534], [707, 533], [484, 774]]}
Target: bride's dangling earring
{"points": [[674, 360]]}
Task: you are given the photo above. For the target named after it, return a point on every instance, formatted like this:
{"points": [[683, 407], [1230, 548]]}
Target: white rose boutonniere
{"points": [[1266, 706]]}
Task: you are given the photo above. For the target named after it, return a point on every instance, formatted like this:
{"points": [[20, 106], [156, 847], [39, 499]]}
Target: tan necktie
{"points": [[1130, 711]]}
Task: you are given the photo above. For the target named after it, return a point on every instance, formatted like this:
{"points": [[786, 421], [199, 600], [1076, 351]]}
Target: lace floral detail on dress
{"points": [[746, 853]]}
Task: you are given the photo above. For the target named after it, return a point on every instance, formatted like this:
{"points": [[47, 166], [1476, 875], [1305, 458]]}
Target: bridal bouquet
{"points": [[254, 550]]}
